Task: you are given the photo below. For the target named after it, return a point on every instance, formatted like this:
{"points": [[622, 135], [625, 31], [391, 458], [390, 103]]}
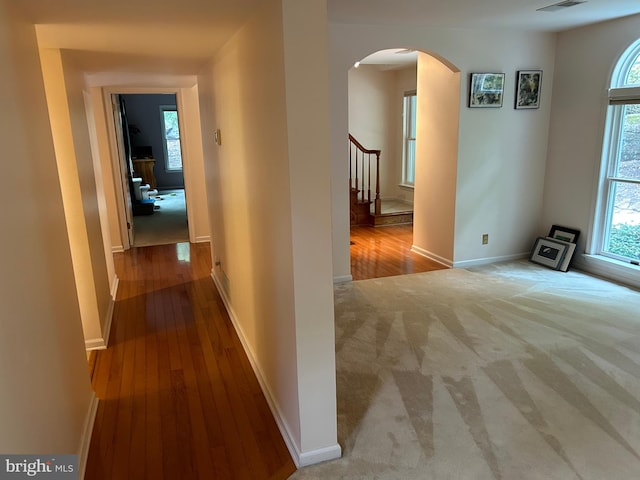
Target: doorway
{"points": [[378, 87], [152, 157], [406, 104]]}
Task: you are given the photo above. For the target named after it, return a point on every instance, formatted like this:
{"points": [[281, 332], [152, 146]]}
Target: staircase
{"points": [[364, 168]]}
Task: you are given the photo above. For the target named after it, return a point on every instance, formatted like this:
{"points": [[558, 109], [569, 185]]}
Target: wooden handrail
{"points": [[361, 148], [362, 180]]}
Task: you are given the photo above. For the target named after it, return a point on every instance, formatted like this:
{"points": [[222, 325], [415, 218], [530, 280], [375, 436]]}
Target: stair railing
{"points": [[360, 166]]}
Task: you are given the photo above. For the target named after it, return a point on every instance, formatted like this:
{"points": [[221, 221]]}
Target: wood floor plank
{"points": [[153, 454], [178, 397], [137, 450], [233, 444], [170, 459], [125, 419], [386, 251], [221, 462], [192, 432], [101, 453], [211, 420]]}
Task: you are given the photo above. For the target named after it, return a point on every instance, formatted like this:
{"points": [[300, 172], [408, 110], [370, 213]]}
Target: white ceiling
{"points": [[500, 14], [138, 35], [391, 58], [178, 36]]}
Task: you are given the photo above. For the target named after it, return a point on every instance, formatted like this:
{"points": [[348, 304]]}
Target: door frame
{"points": [[122, 186], [117, 165]]}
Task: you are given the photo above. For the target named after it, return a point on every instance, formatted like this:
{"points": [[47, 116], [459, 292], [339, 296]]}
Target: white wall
{"points": [[78, 184], [101, 194], [306, 64], [585, 60], [269, 202], [437, 121], [501, 154], [93, 199], [102, 150], [193, 168], [371, 121], [46, 393]]}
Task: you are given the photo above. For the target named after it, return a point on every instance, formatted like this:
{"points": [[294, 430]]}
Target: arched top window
{"points": [[617, 226], [627, 70], [633, 75]]}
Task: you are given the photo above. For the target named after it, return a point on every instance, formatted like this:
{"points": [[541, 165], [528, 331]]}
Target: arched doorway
{"points": [[406, 104]]}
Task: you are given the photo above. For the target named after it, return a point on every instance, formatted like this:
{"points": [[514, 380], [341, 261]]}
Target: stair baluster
{"points": [[360, 161]]}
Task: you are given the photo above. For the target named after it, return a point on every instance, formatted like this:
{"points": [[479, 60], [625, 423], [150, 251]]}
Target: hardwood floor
{"points": [[386, 251], [178, 397]]}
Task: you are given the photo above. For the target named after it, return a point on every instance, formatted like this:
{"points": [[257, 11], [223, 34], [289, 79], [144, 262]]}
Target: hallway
{"points": [[178, 396]]}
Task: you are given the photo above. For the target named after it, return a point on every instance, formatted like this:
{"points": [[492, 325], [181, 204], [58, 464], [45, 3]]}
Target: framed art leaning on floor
{"points": [[549, 252]]}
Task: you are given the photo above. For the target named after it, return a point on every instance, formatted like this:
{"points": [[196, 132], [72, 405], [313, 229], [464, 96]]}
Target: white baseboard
{"points": [[87, 430], [203, 239], [109, 320], [432, 256], [102, 342], [117, 249], [488, 260], [301, 459], [342, 279], [467, 263], [320, 455], [95, 344], [114, 287], [409, 203], [275, 409]]}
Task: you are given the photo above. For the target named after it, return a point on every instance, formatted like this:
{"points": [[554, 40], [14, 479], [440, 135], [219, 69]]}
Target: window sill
{"points": [[610, 268], [404, 185]]}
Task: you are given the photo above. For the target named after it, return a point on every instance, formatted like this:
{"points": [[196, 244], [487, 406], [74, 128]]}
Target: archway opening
{"points": [[405, 104]]}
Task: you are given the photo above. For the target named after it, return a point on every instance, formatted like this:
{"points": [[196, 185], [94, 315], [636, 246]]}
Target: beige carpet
{"points": [[511, 371], [168, 224]]}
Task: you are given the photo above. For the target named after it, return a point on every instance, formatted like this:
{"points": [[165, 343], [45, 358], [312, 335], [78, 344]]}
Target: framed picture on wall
{"points": [[486, 90], [528, 83]]}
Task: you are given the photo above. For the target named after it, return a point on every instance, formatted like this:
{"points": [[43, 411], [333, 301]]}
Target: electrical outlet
{"points": [[485, 238]]}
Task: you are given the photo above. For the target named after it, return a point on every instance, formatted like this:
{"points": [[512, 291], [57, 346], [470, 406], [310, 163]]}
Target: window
{"points": [[409, 136], [171, 138], [618, 228]]}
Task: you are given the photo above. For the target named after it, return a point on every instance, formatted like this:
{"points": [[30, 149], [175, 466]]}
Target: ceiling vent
{"points": [[561, 6]]}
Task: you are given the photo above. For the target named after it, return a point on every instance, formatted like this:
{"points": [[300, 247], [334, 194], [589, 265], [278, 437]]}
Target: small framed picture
{"points": [[563, 233], [528, 84], [486, 90], [549, 252]]}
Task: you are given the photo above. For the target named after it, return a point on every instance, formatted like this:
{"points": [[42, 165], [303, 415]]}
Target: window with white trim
{"points": [[618, 224], [171, 138], [409, 139]]}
